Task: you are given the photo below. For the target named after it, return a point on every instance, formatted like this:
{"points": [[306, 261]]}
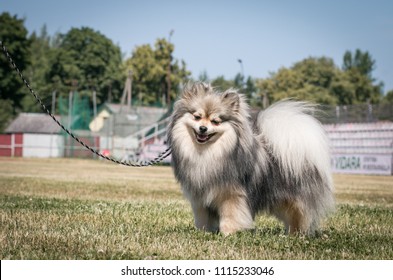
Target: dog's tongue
{"points": [[202, 137]]}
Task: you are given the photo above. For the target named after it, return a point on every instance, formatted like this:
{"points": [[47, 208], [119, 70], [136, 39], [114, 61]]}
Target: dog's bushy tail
{"points": [[298, 141]]}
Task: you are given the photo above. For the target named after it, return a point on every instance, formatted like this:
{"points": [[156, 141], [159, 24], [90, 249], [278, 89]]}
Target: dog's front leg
{"points": [[204, 217], [234, 214]]}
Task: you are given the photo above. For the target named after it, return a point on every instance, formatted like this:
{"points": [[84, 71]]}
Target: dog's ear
{"points": [[232, 99], [193, 89]]}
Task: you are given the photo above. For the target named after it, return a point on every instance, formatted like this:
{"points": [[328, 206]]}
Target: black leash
{"points": [[158, 159]]}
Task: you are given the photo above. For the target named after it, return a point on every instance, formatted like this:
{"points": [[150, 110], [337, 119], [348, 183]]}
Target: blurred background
{"points": [[110, 71]]}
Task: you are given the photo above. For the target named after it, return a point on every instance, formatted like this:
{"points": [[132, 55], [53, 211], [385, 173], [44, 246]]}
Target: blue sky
{"points": [[212, 35]]}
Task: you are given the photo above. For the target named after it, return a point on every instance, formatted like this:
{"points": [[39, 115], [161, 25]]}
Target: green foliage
{"points": [[86, 60], [13, 34], [306, 80], [221, 83], [388, 97], [203, 76], [359, 67], [320, 80], [364, 90], [6, 112], [36, 73], [247, 87], [361, 61], [343, 88], [150, 69]]}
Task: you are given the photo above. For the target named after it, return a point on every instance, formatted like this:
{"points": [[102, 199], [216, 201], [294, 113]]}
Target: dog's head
{"points": [[208, 115]]}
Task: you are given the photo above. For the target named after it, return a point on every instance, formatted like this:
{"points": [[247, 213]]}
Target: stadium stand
{"points": [[364, 138]]}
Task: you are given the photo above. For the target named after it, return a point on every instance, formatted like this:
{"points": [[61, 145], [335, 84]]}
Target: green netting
{"points": [[76, 114], [80, 115]]}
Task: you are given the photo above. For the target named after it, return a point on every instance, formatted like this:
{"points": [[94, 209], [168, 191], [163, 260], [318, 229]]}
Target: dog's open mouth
{"points": [[203, 138]]}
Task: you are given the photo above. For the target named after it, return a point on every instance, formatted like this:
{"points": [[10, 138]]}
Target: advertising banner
{"points": [[362, 164]]}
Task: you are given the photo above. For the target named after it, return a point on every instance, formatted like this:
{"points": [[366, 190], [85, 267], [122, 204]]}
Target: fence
{"points": [[11, 145], [358, 113], [361, 139], [44, 145]]}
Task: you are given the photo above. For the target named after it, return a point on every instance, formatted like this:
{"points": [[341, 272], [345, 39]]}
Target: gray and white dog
{"points": [[231, 167]]}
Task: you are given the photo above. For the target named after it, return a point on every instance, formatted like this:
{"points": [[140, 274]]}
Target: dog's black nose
{"points": [[202, 129]]}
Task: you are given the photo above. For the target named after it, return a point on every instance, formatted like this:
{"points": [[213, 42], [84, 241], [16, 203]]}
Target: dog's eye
{"points": [[197, 117], [216, 122]]}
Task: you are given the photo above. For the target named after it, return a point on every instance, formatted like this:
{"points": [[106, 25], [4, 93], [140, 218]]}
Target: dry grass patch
{"points": [[84, 209]]}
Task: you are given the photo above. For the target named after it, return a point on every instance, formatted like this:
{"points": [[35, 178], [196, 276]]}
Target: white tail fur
{"points": [[295, 138]]}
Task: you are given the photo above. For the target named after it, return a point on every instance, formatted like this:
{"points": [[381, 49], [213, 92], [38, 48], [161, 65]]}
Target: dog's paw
{"points": [[228, 229]]}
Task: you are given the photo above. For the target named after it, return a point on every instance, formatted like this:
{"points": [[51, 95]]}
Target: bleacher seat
{"points": [[368, 138]]}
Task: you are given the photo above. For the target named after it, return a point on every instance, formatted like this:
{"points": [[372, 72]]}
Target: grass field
{"points": [[84, 209]]}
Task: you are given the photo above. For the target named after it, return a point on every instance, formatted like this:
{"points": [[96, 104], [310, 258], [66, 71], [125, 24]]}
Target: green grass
{"points": [[80, 209]]}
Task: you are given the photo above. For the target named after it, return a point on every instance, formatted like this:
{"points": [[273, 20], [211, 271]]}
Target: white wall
{"points": [[118, 146], [43, 145]]}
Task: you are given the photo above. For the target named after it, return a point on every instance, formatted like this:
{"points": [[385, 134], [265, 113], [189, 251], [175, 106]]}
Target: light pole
{"points": [[168, 77], [241, 66], [242, 72]]}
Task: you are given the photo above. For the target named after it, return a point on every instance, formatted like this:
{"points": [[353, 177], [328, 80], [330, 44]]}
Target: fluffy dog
{"points": [[231, 167]]}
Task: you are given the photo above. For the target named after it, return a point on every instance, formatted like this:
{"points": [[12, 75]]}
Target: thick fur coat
{"points": [[231, 167]]}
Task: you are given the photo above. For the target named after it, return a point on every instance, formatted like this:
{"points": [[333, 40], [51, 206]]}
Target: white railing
{"points": [[159, 131]]}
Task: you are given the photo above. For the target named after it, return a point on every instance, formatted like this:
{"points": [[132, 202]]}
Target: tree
{"points": [[238, 81], [150, 69], [248, 87], [148, 76], [364, 89], [360, 61], [203, 77], [13, 35], [320, 80], [87, 60], [388, 97], [309, 79], [222, 84], [36, 73], [6, 113], [358, 68], [343, 89]]}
